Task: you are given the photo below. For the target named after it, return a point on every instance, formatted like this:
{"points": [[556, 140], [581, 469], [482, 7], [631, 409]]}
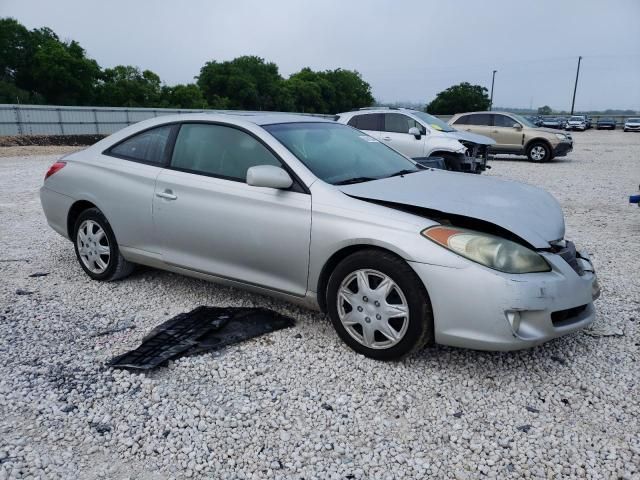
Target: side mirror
{"points": [[415, 132], [517, 126], [268, 176]]}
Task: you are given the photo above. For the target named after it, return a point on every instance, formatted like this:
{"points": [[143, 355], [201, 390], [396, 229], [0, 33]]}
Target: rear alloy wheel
{"points": [[378, 305], [539, 152], [96, 247]]}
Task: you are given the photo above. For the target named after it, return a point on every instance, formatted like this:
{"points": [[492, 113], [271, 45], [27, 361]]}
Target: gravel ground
{"points": [[298, 403]]}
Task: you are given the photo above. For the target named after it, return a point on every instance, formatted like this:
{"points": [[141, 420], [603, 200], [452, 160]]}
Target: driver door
{"points": [[207, 219]]}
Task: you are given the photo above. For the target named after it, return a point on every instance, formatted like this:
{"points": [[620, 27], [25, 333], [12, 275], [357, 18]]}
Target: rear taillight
{"points": [[56, 167]]}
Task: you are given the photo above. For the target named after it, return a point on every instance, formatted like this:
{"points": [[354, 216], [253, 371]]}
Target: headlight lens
{"points": [[489, 250], [561, 136]]}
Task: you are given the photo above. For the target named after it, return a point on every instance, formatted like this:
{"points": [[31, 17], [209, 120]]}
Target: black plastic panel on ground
{"points": [[202, 329]]}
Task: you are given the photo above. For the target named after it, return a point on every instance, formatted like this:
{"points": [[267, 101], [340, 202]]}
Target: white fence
{"points": [[55, 120], [59, 120]]}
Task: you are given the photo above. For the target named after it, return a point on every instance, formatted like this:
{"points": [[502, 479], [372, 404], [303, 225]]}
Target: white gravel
{"points": [[298, 403]]}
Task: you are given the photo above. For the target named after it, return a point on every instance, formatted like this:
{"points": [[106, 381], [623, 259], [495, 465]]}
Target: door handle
{"points": [[168, 194], [387, 139], [496, 131]]}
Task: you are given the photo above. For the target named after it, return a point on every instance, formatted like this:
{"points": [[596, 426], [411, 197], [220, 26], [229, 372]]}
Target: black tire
{"points": [[533, 151], [116, 265], [418, 332]]}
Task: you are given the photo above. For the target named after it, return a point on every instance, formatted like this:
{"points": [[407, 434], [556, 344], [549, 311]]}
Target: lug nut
{"points": [[367, 319], [376, 303], [366, 299], [379, 317], [359, 309]]}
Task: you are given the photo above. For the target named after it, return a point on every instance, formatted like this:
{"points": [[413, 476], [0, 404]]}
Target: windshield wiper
{"points": [[403, 172], [349, 181]]}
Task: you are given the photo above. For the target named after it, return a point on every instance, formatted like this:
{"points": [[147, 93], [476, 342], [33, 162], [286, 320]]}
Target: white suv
{"points": [[419, 136]]}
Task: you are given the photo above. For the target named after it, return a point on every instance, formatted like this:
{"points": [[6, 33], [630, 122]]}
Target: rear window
{"points": [[148, 146], [369, 121], [479, 119]]}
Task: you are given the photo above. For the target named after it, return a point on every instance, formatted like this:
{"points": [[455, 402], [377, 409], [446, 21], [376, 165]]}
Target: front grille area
{"points": [[566, 317], [569, 255]]}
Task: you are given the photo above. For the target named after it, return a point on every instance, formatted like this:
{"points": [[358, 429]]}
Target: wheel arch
{"points": [[333, 261], [539, 140], [74, 212]]}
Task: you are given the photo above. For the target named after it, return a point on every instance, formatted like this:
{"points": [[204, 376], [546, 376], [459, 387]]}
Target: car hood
{"points": [[526, 211], [471, 137]]}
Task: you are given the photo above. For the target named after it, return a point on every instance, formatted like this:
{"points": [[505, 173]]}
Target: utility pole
{"points": [[575, 87], [493, 78]]}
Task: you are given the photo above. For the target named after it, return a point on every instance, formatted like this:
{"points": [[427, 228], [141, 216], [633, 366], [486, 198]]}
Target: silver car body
{"points": [[279, 242]]}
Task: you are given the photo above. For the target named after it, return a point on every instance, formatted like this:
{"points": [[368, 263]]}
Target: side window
{"points": [[398, 123], [463, 120], [218, 150], [148, 146], [479, 119], [503, 121], [369, 121]]}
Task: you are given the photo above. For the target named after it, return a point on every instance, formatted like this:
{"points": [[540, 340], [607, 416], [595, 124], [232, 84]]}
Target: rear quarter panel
{"points": [[121, 189]]}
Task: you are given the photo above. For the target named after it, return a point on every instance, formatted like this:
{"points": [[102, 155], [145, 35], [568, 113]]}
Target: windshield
{"points": [[434, 122], [526, 122], [634, 120], [337, 153], [576, 119]]}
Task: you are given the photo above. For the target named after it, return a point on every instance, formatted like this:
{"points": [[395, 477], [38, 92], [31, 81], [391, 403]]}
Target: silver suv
{"points": [[419, 136]]}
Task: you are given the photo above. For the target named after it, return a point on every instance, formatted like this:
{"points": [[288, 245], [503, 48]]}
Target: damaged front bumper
{"points": [[479, 308]]}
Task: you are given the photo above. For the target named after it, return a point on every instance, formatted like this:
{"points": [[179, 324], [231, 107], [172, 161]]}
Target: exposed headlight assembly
{"points": [[488, 250], [560, 136]]}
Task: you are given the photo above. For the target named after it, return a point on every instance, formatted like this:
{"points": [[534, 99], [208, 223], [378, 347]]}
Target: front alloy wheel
{"points": [[373, 309], [539, 152], [378, 305]]}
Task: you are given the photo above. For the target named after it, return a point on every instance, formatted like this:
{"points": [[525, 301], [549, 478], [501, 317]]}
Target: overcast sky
{"points": [[406, 50]]}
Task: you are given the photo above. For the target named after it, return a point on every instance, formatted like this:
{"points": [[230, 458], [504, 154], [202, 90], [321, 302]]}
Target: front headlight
{"points": [[489, 250], [560, 136]]}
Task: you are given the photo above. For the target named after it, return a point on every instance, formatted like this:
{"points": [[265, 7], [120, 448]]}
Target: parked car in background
{"points": [[419, 135], [606, 123], [632, 125], [577, 122], [515, 134], [320, 214], [535, 119], [589, 121], [553, 122]]}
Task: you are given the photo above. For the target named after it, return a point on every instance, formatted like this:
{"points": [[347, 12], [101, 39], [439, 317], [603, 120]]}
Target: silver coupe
{"points": [[321, 214]]}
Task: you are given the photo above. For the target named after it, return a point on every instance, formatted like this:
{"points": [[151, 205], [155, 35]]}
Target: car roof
{"points": [[366, 110], [258, 118]]}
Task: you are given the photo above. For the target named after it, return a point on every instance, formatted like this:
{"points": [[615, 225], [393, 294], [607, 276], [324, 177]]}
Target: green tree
{"points": [[463, 97], [309, 91], [182, 96], [127, 86], [14, 48], [44, 68], [247, 83], [351, 91], [63, 74], [546, 110], [331, 91]]}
